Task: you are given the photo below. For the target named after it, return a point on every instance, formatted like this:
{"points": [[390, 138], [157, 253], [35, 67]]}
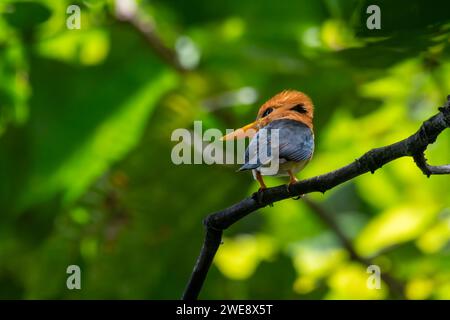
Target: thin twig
{"points": [[369, 162], [427, 169], [395, 287], [143, 23]]}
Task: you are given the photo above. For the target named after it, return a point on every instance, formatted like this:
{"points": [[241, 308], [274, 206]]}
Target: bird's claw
{"points": [[258, 196], [288, 186]]}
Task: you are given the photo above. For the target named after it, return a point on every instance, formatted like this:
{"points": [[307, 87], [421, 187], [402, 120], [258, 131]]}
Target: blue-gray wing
{"points": [[296, 143]]}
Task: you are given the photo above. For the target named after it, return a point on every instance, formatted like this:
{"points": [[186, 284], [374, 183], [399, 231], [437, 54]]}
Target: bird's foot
{"points": [[289, 186], [258, 196]]}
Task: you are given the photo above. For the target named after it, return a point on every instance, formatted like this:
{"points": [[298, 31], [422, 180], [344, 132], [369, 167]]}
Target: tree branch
{"points": [[427, 169], [395, 287], [372, 160]]}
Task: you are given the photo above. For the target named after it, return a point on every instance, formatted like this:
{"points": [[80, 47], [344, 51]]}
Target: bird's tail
{"points": [[249, 166]]}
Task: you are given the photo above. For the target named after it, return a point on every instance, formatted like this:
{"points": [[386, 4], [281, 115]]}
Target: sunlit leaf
{"points": [[394, 226], [239, 257]]}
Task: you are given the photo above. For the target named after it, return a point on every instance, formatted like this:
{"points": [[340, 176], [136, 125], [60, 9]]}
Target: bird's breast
{"points": [[283, 168]]}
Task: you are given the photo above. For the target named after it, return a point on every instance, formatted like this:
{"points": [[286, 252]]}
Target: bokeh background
{"points": [[86, 175]]}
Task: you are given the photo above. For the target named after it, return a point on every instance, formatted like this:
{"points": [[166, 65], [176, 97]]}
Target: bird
{"points": [[291, 112]]}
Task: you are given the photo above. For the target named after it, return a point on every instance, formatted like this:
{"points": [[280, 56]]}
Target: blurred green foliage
{"points": [[86, 176]]}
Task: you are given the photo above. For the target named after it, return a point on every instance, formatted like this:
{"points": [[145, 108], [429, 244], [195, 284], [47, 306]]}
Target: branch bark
{"points": [[413, 146]]}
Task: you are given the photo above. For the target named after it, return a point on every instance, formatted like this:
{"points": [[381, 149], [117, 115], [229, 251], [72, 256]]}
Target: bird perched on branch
{"points": [[291, 112]]}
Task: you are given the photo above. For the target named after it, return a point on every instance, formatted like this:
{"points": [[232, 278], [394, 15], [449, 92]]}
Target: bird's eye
{"points": [[267, 112], [300, 108]]}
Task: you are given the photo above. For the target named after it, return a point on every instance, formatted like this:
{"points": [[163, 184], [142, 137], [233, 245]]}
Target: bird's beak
{"points": [[246, 131]]}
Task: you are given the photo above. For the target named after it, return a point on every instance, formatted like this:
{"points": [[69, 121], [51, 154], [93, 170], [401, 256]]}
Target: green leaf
{"points": [[86, 119]]}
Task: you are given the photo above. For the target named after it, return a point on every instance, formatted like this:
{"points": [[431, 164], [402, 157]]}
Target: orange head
{"points": [[288, 104]]}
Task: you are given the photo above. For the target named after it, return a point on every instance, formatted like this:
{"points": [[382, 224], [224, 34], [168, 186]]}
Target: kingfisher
{"points": [[291, 112]]}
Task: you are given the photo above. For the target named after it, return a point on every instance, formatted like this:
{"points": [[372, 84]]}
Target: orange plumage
{"points": [[291, 112]]}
